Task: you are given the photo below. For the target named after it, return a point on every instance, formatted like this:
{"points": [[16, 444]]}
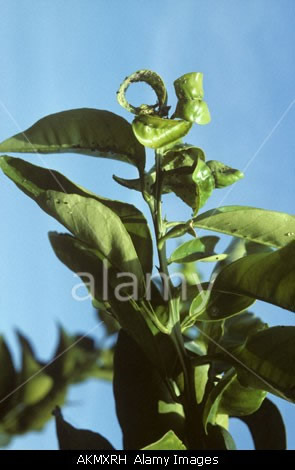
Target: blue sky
{"points": [[63, 54]]}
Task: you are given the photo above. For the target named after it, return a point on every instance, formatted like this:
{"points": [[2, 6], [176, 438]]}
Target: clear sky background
{"points": [[63, 54]]}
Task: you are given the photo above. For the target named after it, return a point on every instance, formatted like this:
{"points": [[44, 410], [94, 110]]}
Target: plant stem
{"points": [[194, 429]]}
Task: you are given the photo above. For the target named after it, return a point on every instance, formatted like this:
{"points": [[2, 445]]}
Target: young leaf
{"points": [[266, 361], [157, 84], [201, 249], [190, 106], [193, 184], [34, 180], [211, 407], [144, 405], [267, 427], [70, 438], [87, 131], [267, 276], [193, 111], [168, 442], [156, 132], [259, 225], [224, 175]]}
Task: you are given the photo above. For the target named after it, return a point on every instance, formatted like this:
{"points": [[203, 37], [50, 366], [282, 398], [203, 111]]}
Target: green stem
{"points": [[194, 429]]}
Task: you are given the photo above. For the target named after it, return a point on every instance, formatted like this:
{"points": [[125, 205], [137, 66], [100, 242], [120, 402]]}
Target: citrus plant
{"points": [[189, 355]]}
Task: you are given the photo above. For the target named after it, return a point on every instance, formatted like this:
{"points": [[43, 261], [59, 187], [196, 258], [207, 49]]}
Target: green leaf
{"points": [[211, 407], [182, 155], [238, 400], [97, 226], [267, 276], [35, 181], [35, 383], [192, 184], [156, 132], [201, 249], [193, 111], [266, 361], [8, 377], [238, 328], [219, 438], [80, 258], [152, 79], [267, 427], [190, 106], [87, 131], [71, 438], [168, 442], [259, 225], [144, 405], [189, 86], [77, 358], [224, 175], [214, 304]]}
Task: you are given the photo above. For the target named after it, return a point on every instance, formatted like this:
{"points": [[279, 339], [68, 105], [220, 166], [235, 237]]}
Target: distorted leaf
{"points": [[223, 175], [156, 132]]}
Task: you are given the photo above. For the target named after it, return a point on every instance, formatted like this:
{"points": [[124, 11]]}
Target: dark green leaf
{"points": [[259, 225], [70, 438], [87, 131], [144, 406], [168, 442], [238, 328], [266, 361], [7, 377], [34, 381], [267, 427], [219, 438], [35, 181], [267, 276]]}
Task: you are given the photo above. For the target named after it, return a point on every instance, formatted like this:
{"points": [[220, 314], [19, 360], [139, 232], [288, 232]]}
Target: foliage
{"points": [[174, 389]]}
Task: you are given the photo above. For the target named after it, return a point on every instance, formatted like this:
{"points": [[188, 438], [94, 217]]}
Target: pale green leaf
{"points": [[168, 442], [259, 225], [87, 131]]}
